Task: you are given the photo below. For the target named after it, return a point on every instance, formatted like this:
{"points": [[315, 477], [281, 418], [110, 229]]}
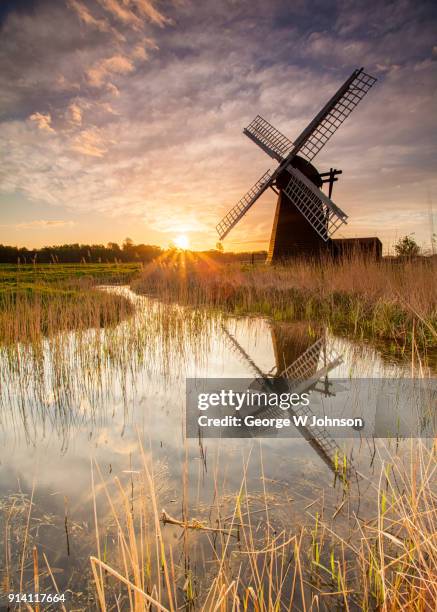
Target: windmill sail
{"points": [[291, 234], [305, 366], [240, 209], [332, 115], [316, 207], [236, 348], [268, 138], [302, 374]]}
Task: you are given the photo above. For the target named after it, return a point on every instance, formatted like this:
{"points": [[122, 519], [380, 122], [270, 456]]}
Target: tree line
{"points": [[127, 252], [77, 253]]}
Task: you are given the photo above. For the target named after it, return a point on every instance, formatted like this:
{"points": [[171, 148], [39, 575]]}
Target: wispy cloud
{"points": [[43, 121], [89, 142], [117, 64], [147, 8], [88, 19], [121, 12], [40, 224], [132, 12], [74, 113]]}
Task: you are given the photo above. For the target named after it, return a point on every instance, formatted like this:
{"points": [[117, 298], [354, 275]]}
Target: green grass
{"points": [[18, 277], [41, 300]]}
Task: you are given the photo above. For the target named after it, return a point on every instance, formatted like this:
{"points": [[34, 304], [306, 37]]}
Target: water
{"points": [[92, 396]]}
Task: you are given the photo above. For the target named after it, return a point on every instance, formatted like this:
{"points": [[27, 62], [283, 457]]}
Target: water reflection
{"points": [[379, 407], [301, 366], [99, 379], [87, 394]]}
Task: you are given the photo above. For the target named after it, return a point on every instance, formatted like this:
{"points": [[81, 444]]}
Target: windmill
{"points": [[305, 217], [307, 372]]}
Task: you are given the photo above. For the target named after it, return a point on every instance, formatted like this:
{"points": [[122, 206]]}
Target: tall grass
{"points": [[29, 316], [238, 557], [237, 553], [386, 300], [40, 301]]}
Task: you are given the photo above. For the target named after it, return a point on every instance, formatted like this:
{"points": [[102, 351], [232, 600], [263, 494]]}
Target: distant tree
{"points": [[71, 253], [128, 243], [219, 247], [113, 246], [407, 247]]}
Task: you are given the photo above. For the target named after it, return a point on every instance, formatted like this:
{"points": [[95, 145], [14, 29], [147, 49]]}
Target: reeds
{"points": [[241, 557], [394, 301], [70, 376], [43, 306]]}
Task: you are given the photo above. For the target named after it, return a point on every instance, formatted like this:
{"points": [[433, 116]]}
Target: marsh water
{"points": [[93, 395]]}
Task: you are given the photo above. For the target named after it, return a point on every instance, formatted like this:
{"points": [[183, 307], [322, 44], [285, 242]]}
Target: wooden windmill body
{"points": [[305, 217], [292, 234]]}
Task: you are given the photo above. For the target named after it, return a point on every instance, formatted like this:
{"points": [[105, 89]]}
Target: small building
{"points": [[348, 247]]}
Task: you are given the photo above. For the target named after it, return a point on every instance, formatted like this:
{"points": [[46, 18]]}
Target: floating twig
{"points": [[193, 524]]}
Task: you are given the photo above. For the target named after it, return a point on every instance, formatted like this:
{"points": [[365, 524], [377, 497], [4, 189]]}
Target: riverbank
{"points": [[41, 300], [390, 301]]}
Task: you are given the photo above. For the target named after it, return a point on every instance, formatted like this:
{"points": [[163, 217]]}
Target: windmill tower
{"points": [[305, 218]]}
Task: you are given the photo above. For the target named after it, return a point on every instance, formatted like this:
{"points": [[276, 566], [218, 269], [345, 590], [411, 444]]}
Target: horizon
{"points": [[126, 118]]}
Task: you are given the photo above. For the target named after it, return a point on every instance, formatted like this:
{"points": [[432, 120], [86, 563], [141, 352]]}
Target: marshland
{"points": [[105, 499]]}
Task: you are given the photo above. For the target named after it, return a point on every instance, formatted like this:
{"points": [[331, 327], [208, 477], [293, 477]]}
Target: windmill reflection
{"points": [[302, 365]]}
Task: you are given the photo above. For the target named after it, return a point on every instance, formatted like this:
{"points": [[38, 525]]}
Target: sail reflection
{"points": [[302, 366], [307, 361]]}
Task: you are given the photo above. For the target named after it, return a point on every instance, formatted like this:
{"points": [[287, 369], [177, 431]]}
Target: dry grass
{"points": [[387, 300], [237, 554], [251, 562], [41, 301], [30, 316]]}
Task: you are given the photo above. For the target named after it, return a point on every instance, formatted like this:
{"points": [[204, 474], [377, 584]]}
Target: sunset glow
{"points": [[130, 126], [182, 241]]}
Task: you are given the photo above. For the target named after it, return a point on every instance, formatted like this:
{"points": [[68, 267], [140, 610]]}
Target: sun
{"points": [[182, 241]]}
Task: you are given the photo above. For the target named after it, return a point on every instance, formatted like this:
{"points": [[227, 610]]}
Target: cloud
{"points": [[74, 113], [43, 121], [122, 13], [146, 8], [112, 89], [139, 52], [88, 19], [106, 106], [117, 64], [44, 224], [180, 221], [89, 142], [322, 45]]}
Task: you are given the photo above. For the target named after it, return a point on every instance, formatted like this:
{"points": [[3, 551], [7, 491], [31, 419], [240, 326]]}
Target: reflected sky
{"points": [[94, 395], [62, 413]]}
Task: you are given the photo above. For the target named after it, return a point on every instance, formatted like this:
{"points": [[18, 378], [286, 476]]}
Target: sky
{"points": [[124, 118]]}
